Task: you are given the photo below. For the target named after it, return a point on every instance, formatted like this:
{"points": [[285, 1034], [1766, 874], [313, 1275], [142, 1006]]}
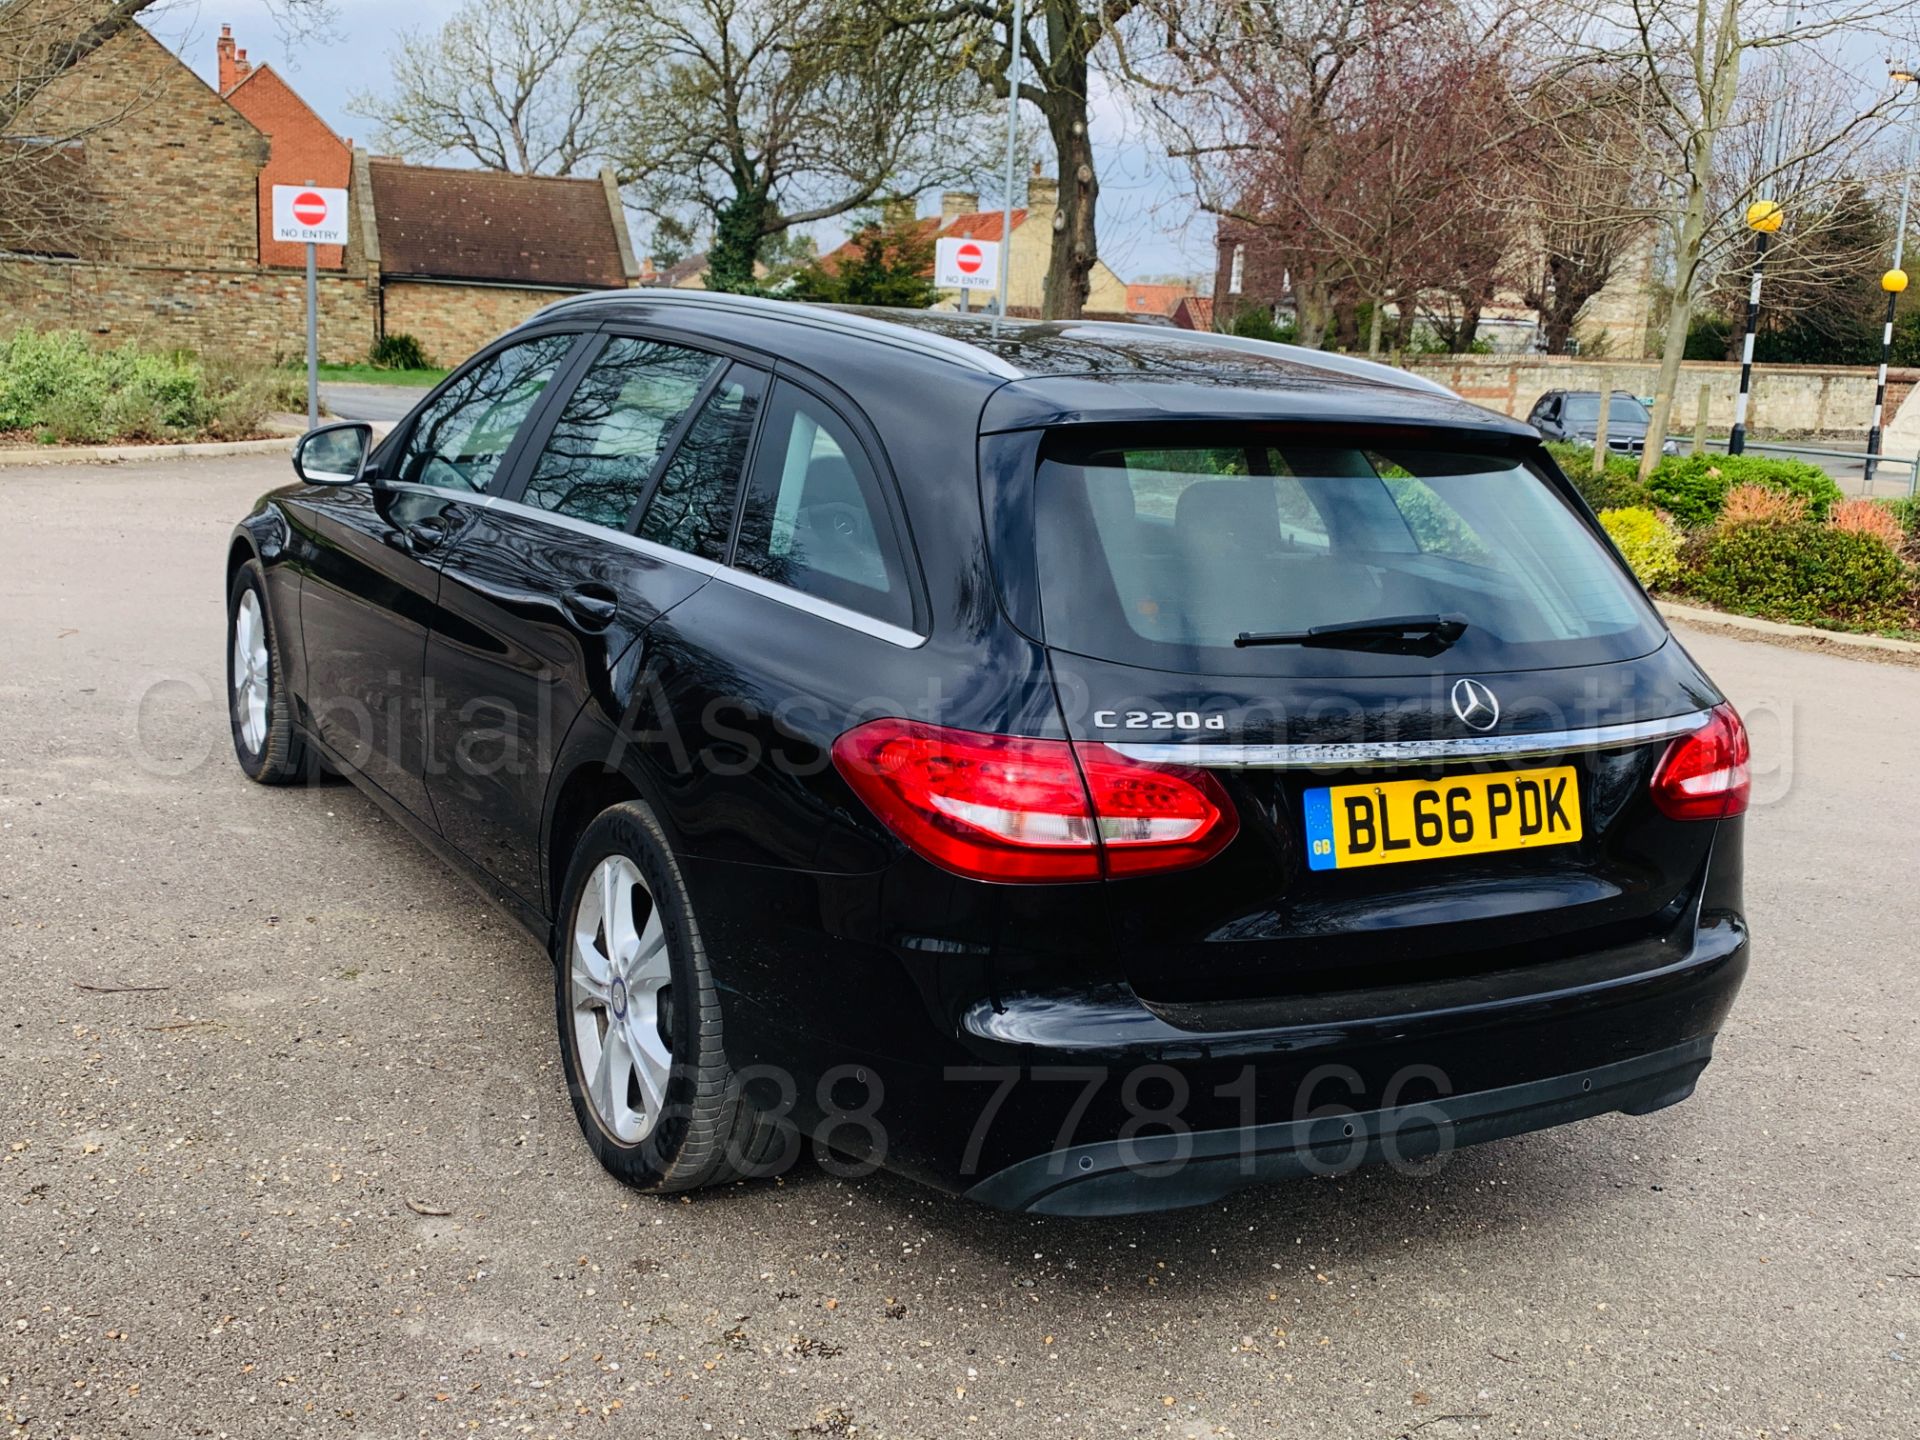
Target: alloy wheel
{"points": [[620, 984], [251, 671]]}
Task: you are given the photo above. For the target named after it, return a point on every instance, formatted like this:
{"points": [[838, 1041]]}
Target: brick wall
{"points": [[1785, 399], [452, 321], [249, 313]]}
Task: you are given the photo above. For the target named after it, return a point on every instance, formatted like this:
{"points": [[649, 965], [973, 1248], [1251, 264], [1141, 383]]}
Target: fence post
{"points": [[1700, 421], [1600, 436]]}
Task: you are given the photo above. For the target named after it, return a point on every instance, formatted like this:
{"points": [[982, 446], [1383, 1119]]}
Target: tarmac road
{"points": [[381, 403], [325, 1177]]}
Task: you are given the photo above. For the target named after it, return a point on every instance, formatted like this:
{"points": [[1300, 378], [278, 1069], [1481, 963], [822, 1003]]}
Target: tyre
{"points": [[639, 1018], [268, 748]]}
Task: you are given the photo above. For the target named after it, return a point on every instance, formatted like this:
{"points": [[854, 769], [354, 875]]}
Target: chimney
{"points": [[955, 203], [1043, 194], [233, 63], [899, 212]]}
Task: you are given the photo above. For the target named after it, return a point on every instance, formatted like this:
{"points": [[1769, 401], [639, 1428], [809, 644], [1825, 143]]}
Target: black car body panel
{"points": [[519, 669]]}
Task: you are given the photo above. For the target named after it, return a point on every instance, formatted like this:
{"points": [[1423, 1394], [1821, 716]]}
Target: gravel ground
{"points": [[283, 1143]]}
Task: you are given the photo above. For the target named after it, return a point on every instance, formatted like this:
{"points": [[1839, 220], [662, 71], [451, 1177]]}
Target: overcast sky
{"points": [[1146, 225]]}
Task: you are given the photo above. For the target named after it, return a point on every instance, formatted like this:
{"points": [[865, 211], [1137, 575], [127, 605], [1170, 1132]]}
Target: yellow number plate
{"points": [[1353, 825]]}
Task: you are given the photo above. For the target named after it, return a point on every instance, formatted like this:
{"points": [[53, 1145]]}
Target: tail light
{"points": [[1007, 808], [1704, 776]]}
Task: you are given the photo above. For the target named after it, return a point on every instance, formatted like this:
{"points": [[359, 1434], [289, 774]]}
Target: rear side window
{"points": [[815, 519], [596, 463], [1164, 556], [692, 507]]}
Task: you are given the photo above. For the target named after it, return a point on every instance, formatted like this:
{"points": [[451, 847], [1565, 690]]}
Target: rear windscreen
{"points": [[1165, 556]]}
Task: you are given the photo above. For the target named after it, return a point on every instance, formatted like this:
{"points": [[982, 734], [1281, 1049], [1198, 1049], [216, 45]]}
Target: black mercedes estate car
{"points": [[1085, 767]]}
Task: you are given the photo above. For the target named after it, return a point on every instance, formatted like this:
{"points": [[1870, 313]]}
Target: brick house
{"points": [[179, 181], [304, 149]]}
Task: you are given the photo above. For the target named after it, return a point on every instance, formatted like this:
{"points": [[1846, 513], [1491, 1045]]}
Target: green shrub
{"points": [[1256, 323], [76, 417], [35, 369], [1650, 543], [1692, 488], [58, 386], [398, 351], [1617, 487], [1804, 573]]}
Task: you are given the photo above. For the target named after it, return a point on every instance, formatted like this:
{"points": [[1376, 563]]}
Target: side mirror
{"points": [[333, 454]]}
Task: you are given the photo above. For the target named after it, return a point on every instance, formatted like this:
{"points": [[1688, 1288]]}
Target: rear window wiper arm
{"points": [[1429, 633]]}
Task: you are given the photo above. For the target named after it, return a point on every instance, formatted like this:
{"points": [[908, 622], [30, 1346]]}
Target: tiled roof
{"points": [[1194, 312], [486, 225], [974, 225], [1154, 299]]}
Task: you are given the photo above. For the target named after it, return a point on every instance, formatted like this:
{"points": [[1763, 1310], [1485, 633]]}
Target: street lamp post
{"points": [[1893, 282], [1764, 219]]}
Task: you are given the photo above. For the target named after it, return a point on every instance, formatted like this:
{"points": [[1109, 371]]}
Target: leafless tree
{"points": [[1363, 140], [520, 85], [763, 115], [1584, 199], [1696, 59]]}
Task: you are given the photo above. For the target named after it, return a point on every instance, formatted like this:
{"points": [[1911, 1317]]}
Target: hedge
{"points": [[1804, 572], [1692, 488]]}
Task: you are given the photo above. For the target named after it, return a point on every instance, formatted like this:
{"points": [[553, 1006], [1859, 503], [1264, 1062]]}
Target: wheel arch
{"points": [[574, 798]]}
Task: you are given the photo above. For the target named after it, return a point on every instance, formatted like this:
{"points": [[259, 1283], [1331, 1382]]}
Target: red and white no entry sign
{"points": [[310, 214], [960, 264]]}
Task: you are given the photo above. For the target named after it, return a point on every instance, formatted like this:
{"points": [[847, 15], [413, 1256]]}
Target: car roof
{"points": [[1056, 372]]}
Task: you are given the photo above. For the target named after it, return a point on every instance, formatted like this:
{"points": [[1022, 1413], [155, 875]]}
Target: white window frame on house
{"points": [[1237, 270]]}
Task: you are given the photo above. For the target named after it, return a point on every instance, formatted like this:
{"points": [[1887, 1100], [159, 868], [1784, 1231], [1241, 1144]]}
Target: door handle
{"points": [[591, 606], [423, 535]]}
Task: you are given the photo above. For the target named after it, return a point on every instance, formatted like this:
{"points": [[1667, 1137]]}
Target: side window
{"points": [[463, 435], [596, 463], [815, 519], [692, 507]]}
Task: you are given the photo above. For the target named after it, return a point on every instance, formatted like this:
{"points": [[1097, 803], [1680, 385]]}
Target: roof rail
{"points": [[795, 312], [1299, 354]]}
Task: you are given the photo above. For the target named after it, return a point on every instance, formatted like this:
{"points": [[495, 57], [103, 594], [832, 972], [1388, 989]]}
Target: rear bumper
{"points": [[1095, 1102], [1166, 1171]]}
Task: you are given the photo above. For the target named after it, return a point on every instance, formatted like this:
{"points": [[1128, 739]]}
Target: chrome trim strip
{"points": [[785, 595], [1401, 752], [798, 313], [825, 609]]}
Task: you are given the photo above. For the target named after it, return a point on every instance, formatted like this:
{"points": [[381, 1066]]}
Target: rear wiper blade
{"points": [[1429, 634]]}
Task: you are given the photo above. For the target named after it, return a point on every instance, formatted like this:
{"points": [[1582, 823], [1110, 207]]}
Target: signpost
{"points": [[966, 265], [310, 215]]}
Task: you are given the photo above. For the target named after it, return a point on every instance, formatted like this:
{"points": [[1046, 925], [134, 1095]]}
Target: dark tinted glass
{"points": [[815, 519], [463, 435], [1161, 556], [692, 510], [596, 463]]}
